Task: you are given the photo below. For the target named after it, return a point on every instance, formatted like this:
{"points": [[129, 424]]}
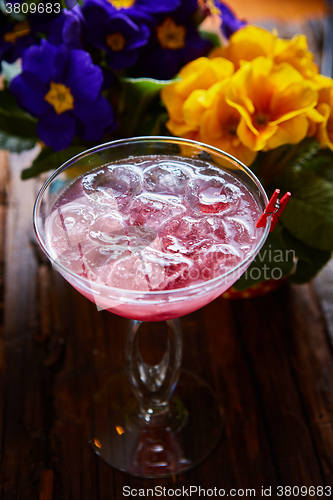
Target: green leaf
{"points": [[49, 160], [212, 37], [320, 163], [269, 165], [14, 143], [13, 120], [139, 105], [309, 260], [274, 261], [309, 214], [147, 85], [306, 171]]}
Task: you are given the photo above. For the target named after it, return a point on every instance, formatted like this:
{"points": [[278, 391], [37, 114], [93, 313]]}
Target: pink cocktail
{"points": [[152, 229], [153, 224]]}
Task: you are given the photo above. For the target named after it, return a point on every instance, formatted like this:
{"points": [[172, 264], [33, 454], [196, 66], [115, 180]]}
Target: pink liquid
{"points": [[153, 224]]}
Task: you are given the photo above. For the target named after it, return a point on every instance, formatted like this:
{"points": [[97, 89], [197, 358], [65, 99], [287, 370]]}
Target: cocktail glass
{"points": [[145, 422]]}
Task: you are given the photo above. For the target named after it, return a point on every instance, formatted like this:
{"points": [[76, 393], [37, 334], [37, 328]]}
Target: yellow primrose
{"points": [[296, 53], [320, 113], [246, 44], [190, 114], [219, 124], [186, 98], [273, 101], [324, 128], [251, 42]]}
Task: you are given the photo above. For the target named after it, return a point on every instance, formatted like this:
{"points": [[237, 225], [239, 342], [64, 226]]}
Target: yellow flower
{"points": [[219, 125], [247, 44], [296, 53], [323, 128], [186, 98], [273, 101], [251, 42]]}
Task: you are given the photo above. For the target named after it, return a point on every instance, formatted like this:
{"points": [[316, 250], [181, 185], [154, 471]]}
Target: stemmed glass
{"points": [[146, 422]]}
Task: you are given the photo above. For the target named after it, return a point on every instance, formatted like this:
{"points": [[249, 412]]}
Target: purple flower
{"points": [[143, 10], [64, 28], [175, 41], [113, 31], [61, 87], [230, 22], [14, 38]]}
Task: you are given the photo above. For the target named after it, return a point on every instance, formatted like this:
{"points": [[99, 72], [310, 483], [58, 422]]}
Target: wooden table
{"points": [[269, 360]]}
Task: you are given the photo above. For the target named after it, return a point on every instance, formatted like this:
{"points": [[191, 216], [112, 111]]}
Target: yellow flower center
{"points": [[116, 41], [232, 128], [261, 119], [19, 30], [171, 35], [60, 97], [122, 4]]}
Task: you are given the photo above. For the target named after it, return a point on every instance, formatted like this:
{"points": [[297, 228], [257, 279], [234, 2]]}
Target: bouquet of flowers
{"points": [[78, 73]]}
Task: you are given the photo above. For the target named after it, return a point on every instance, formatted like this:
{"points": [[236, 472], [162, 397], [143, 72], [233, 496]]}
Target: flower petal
{"points": [[56, 131], [95, 118], [325, 129], [153, 6], [289, 132], [294, 100], [84, 77], [230, 22], [40, 60], [28, 95], [256, 142]]}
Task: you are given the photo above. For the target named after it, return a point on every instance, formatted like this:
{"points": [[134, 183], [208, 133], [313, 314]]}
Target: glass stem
{"points": [[153, 385]]}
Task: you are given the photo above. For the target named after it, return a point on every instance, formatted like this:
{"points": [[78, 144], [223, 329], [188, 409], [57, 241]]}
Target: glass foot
{"points": [[168, 444]]}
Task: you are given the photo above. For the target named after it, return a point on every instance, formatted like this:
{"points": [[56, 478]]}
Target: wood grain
{"points": [[269, 360]]}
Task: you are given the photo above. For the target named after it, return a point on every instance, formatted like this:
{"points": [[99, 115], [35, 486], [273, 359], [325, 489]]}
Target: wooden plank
{"points": [[312, 364], [4, 186], [324, 288], [266, 331], [22, 436]]}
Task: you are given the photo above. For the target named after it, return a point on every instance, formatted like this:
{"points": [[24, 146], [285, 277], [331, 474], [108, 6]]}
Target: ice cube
{"points": [[104, 227], [240, 229], [164, 268], [154, 210], [124, 180], [72, 257], [212, 195], [127, 273], [217, 258], [113, 185], [68, 223], [168, 177], [99, 259], [174, 245], [194, 229]]}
